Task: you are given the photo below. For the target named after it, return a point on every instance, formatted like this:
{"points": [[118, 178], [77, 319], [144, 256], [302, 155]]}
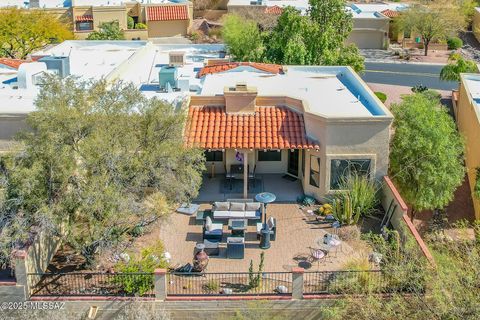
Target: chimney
{"points": [[240, 99]]}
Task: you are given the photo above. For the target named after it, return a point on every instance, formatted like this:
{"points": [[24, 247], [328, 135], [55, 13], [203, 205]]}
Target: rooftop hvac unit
{"points": [[59, 65], [176, 58], [168, 78]]}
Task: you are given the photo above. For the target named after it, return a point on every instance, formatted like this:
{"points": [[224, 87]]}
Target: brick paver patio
{"points": [[295, 235]]}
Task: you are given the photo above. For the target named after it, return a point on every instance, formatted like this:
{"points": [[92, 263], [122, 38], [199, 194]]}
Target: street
{"points": [[405, 74]]}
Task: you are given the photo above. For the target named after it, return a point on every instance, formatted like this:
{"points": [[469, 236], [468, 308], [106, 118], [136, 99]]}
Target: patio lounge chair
{"points": [[212, 231], [235, 248], [317, 255], [272, 226]]}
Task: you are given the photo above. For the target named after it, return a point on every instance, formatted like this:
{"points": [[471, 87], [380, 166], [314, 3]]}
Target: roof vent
{"points": [[176, 58], [241, 86]]}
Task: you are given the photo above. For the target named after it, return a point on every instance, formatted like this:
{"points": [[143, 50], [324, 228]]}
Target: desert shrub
{"points": [[150, 259], [141, 26], [130, 22], [211, 286], [454, 43], [419, 88], [349, 233], [382, 96], [254, 278], [476, 188]]}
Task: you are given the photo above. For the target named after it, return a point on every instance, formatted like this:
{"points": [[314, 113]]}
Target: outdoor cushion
{"points": [[259, 227], [221, 206], [221, 214], [208, 224], [250, 214], [252, 206], [235, 240], [236, 206], [271, 223]]}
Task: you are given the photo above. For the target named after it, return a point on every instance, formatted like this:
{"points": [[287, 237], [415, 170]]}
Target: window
{"points": [[214, 156], [340, 169], [269, 156], [407, 33], [314, 171], [84, 26]]}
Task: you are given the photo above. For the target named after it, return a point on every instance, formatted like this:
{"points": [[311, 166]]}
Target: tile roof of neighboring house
{"points": [[274, 10], [12, 63], [267, 67], [167, 13], [84, 18], [211, 127], [390, 13]]}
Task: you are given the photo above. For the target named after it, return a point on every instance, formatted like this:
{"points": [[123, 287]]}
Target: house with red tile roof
{"points": [[313, 124], [161, 18]]}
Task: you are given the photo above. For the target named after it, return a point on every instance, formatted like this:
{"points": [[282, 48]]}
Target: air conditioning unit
{"points": [[59, 65], [176, 58]]}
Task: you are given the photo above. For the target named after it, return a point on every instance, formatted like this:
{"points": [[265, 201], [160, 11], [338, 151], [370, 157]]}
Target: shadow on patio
{"points": [[286, 189]]}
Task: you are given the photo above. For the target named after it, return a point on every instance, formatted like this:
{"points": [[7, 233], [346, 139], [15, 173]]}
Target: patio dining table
{"points": [[237, 171]]}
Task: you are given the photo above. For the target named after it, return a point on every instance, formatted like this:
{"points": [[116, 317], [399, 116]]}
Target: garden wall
{"points": [[35, 259], [391, 200]]}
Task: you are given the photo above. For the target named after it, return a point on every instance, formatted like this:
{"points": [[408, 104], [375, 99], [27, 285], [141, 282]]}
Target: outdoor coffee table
{"points": [[238, 226]]}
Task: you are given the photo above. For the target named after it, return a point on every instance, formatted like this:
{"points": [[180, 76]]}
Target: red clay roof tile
{"points": [[274, 10], [390, 13], [266, 67], [211, 127], [12, 63], [167, 13]]}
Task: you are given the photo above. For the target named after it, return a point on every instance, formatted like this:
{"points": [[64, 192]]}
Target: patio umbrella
{"points": [[264, 198]]}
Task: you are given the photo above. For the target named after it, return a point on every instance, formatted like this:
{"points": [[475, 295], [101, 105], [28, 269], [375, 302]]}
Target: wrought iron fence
{"points": [[230, 283], [92, 284], [357, 282]]}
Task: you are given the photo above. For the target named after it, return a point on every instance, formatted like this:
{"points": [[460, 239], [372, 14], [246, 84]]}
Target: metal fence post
{"points": [[160, 281], [297, 283]]}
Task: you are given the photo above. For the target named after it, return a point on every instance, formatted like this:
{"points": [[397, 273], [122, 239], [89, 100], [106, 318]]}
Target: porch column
{"points": [[245, 174]]}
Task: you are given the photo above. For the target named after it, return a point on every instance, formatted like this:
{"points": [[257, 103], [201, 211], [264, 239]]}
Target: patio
{"points": [[218, 188], [295, 235]]}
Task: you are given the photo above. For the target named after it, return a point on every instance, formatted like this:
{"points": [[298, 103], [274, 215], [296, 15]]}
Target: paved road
{"points": [[404, 74]]}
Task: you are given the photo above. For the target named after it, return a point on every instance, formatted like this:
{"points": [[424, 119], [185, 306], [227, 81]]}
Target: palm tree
{"points": [[456, 65]]}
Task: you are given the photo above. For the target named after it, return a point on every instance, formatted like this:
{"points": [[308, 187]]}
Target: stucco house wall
{"points": [[468, 122]]}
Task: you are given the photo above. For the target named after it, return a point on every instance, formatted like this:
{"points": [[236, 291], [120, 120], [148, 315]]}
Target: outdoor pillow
{"points": [[235, 240], [208, 224], [271, 223], [237, 206], [252, 206], [221, 206]]}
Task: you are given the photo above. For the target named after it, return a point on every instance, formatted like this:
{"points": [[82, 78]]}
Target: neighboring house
{"points": [[315, 123], [371, 22], [467, 114], [162, 18]]}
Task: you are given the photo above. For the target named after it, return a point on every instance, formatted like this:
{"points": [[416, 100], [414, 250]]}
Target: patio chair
{"points": [[229, 176], [251, 176], [272, 226], [235, 248], [212, 231], [318, 255]]}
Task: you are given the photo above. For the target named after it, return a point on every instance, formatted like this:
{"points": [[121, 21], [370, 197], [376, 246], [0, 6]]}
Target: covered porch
{"points": [[218, 188]]}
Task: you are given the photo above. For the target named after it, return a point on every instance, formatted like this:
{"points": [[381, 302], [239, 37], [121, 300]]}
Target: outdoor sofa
{"points": [[237, 210]]}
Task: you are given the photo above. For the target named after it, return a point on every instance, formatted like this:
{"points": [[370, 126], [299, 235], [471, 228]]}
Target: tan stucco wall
{"points": [[369, 33], [167, 28], [476, 24], [468, 122], [108, 14], [10, 125]]}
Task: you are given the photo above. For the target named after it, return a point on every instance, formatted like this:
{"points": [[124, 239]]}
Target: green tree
{"points": [[101, 161], [242, 38], [426, 154], [432, 22], [457, 65], [130, 23], [315, 39], [287, 43], [107, 31], [24, 31]]}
